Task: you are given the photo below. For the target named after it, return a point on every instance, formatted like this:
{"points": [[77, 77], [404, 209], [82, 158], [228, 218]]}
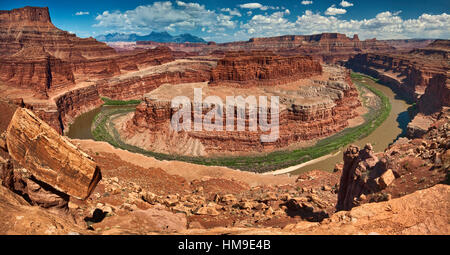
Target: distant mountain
{"points": [[153, 36]]}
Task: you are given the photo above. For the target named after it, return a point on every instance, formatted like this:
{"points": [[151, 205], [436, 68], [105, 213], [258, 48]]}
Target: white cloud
{"points": [[306, 2], [258, 6], [251, 6], [385, 25], [332, 10], [268, 25], [232, 12], [80, 13], [223, 25], [159, 16], [345, 4]]}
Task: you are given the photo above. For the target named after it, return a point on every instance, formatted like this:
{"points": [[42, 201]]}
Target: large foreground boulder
{"points": [[49, 157]]}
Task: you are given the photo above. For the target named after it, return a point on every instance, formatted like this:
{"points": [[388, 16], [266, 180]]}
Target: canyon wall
{"points": [[419, 160], [37, 55], [407, 44], [262, 69], [32, 25], [411, 73], [130, 61], [328, 47], [135, 87], [395, 71], [320, 110], [76, 102], [32, 67]]}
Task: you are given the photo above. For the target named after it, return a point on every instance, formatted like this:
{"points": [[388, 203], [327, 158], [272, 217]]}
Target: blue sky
{"points": [[233, 20]]}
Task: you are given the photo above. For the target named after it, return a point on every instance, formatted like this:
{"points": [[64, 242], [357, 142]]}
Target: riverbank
{"points": [[103, 130], [296, 167], [389, 131]]}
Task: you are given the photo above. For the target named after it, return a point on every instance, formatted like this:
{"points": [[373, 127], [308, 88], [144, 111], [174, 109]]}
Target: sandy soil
{"points": [[186, 170], [296, 167]]}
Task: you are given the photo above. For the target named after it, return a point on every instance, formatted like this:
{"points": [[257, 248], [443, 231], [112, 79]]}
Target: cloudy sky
{"points": [[233, 20]]}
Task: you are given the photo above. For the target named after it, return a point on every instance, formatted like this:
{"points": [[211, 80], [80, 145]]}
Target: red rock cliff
{"points": [[410, 73], [35, 54], [22, 26], [34, 68], [332, 105], [262, 68], [328, 47]]}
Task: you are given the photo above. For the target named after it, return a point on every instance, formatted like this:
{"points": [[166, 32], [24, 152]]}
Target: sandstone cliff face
{"points": [[75, 102], [428, 149], [23, 26], [37, 55], [430, 105], [262, 68], [34, 68], [49, 157], [136, 86], [328, 47], [437, 95], [398, 73], [309, 112], [412, 73]]}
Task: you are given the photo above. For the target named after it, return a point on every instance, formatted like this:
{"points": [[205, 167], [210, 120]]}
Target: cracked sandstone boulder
{"points": [[49, 157]]}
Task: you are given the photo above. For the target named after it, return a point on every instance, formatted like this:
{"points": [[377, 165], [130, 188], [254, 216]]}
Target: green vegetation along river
{"points": [[391, 129], [383, 124]]}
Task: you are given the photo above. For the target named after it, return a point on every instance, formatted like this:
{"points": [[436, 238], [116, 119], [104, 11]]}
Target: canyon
{"points": [[309, 109], [52, 184], [59, 75], [327, 47], [409, 73], [421, 75]]}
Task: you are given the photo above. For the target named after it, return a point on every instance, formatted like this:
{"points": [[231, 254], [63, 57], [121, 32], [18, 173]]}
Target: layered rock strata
{"points": [[135, 86], [74, 103], [36, 55], [408, 44], [32, 25], [411, 73], [33, 67], [104, 67], [310, 112], [328, 47], [262, 69]]}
